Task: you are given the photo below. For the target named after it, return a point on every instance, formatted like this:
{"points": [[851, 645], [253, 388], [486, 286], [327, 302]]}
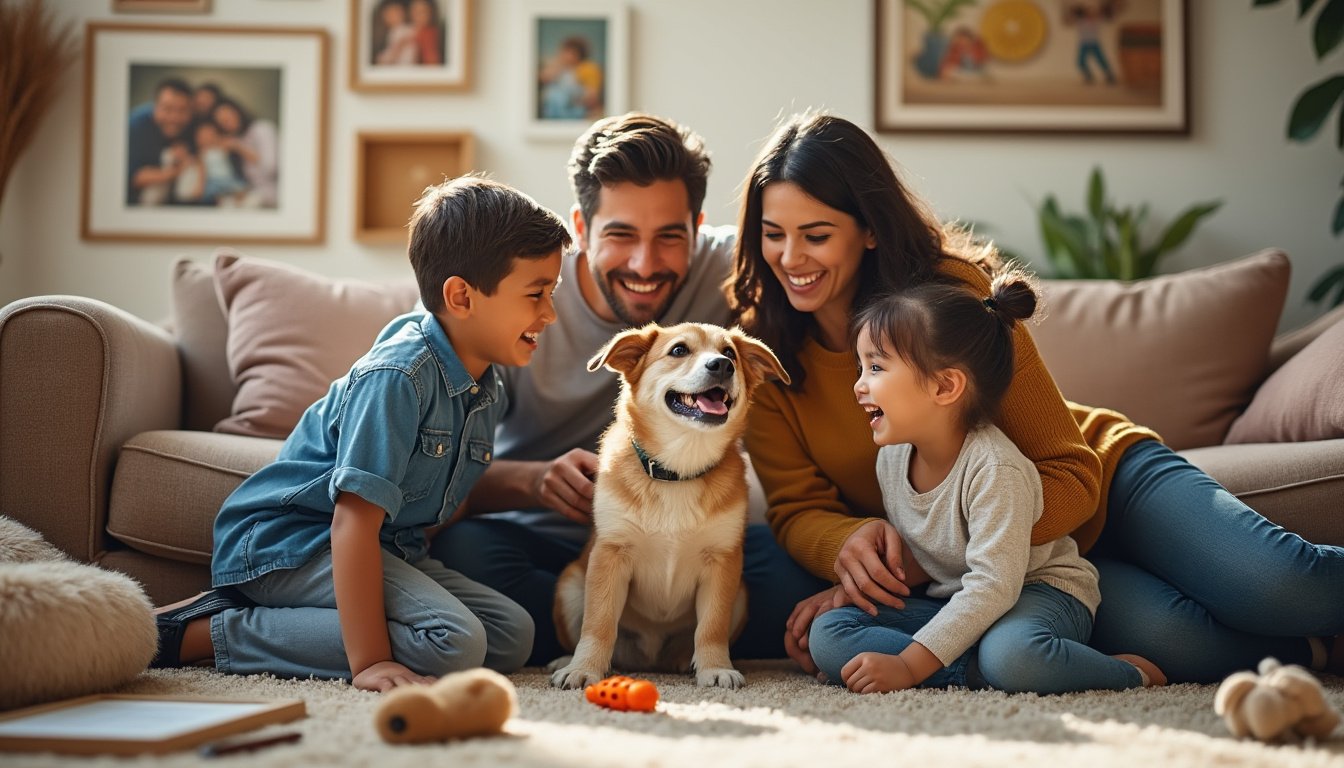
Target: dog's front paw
{"points": [[572, 676], [723, 678], [563, 661]]}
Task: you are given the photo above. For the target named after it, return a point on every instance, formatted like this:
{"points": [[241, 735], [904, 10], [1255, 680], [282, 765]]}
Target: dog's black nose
{"points": [[720, 366]]}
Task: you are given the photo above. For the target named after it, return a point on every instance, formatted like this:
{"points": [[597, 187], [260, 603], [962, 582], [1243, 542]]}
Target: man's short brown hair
{"points": [[638, 148], [473, 228]]}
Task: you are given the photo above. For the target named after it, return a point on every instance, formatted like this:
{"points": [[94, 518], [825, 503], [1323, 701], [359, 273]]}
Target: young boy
{"points": [[321, 563]]}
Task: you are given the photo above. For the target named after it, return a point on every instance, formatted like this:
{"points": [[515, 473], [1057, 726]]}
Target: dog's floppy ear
{"points": [[625, 349], [758, 358]]}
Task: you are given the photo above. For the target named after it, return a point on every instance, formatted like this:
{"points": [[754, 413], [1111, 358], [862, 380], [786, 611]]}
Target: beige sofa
{"points": [[107, 448]]}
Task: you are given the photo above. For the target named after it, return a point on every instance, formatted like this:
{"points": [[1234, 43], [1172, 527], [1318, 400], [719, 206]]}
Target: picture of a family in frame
{"points": [[410, 45], [571, 79], [407, 33], [203, 136]]}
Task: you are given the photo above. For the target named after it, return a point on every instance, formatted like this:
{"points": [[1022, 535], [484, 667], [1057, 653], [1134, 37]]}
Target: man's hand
{"points": [[869, 567], [800, 623], [566, 485], [386, 675]]}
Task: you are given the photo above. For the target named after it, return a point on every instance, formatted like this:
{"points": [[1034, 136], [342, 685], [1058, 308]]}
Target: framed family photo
{"points": [[577, 64], [204, 134], [1032, 66], [410, 45]]}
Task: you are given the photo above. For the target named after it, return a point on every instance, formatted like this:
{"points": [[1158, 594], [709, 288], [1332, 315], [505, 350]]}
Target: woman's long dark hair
{"points": [[836, 162]]}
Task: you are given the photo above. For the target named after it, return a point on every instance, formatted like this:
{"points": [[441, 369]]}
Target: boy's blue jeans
{"points": [[438, 621], [1201, 584], [1039, 646]]}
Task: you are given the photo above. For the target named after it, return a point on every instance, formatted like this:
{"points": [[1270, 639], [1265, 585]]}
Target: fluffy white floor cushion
{"points": [[66, 629]]}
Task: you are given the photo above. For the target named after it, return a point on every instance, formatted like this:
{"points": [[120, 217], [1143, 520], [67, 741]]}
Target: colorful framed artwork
{"points": [[1032, 66], [392, 170], [161, 6], [204, 134], [577, 63], [410, 45]]}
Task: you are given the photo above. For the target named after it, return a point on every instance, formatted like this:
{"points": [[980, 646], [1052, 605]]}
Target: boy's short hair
{"points": [[638, 148], [473, 228]]}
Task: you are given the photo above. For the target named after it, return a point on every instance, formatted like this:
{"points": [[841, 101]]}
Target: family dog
{"points": [[659, 585]]}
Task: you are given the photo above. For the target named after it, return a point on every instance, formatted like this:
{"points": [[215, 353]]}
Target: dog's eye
{"points": [[730, 353], [679, 350]]}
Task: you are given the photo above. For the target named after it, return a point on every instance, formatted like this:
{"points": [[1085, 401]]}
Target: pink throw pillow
{"points": [[1302, 400], [1180, 353], [291, 333]]}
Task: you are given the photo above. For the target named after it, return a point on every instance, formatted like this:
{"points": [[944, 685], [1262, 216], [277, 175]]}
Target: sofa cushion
{"points": [[1297, 485], [291, 333], [1179, 353], [1302, 400], [201, 331], [169, 486]]}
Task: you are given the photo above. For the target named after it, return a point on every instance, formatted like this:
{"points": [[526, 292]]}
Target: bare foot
{"points": [[1152, 676]]}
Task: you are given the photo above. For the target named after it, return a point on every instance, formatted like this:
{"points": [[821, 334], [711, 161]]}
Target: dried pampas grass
{"points": [[34, 52]]}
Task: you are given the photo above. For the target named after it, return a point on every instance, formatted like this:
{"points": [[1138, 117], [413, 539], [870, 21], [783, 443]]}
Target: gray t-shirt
{"points": [[972, 534], [556, 405]]}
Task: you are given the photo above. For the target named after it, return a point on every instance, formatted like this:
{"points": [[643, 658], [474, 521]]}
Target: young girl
{"points": [[934, 363]]}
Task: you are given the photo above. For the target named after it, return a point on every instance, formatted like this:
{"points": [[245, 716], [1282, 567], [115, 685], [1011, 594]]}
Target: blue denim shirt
{"points": [[407, 429]]}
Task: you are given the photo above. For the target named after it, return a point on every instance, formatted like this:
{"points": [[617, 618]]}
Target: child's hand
{"points": [[877, 673], [386, 675], [869, 567]]}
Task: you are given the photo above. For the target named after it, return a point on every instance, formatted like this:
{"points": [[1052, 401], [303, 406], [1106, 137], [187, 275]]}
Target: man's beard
{"points": [[624, 312]]}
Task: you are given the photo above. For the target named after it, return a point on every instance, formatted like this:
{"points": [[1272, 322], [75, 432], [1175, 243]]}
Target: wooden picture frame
{"points": [[392, 170], [1032, 66], [410, 45], [125, 724], [577, 54], [258, 174], [161, 6]]}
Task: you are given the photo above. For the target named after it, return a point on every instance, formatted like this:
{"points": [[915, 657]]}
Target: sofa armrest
{"points": [[78, 377]]}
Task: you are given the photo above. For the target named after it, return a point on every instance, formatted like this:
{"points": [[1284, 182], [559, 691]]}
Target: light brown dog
{"points": [[659, 584]]}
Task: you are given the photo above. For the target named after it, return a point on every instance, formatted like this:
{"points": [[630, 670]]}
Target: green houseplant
{"points": [[1309, 112], [1108, 241]]}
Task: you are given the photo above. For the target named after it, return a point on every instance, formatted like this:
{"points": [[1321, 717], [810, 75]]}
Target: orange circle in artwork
{"points": [[1013, 30]]}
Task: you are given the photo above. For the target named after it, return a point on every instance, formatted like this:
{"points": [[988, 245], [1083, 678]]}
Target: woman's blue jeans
{"points": [[1039, 646], [1201, 584]]}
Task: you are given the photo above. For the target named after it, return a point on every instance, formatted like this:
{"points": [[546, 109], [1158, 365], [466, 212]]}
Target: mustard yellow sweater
{"points": [[816, 459]]}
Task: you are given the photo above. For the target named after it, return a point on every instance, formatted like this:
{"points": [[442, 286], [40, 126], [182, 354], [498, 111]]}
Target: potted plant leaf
{"points": [[1108, 241], [1310, 111]]}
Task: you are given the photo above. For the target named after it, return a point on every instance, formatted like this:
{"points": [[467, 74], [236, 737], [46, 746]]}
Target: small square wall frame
{"points": [[392, 170]]}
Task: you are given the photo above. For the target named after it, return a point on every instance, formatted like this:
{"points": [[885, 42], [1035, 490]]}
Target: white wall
{"points": [[729, 69]]}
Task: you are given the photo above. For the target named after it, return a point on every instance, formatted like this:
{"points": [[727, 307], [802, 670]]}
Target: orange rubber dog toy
{"points": [[623, 694]]}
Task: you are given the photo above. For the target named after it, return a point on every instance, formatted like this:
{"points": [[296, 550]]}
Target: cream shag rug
{"points": [[781, 718]]}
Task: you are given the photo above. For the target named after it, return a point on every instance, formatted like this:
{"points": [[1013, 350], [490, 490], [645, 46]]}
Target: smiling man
{"points": [[643, 255]]}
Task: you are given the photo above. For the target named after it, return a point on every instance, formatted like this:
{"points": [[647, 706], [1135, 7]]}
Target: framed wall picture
{"points": [[577, 64], [205, 134], [410, 45], [392, 170], [1032, 66]]}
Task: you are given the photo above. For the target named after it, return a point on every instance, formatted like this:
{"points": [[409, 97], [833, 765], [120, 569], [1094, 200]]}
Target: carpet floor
{"points": [[781, 718]]}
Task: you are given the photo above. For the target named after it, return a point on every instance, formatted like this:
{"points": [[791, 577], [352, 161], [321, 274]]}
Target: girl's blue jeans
{"points": [[1199, 583], [1040, 645]]}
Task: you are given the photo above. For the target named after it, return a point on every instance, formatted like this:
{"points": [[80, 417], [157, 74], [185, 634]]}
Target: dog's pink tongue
{"points": [[710, 405]]}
